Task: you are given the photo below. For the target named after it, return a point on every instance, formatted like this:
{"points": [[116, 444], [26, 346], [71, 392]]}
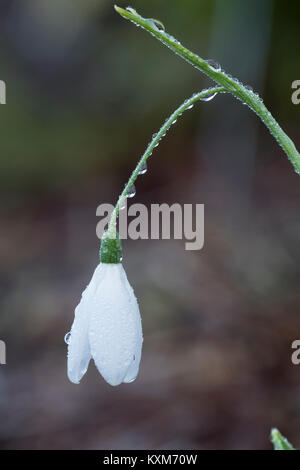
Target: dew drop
{"points": [[248, 87], [131, 380], [214, 65], [190, 106], [67, 337], [209, 97], [131, 191], [143, 169], [158, 24], [131, 10], [122, 204]]}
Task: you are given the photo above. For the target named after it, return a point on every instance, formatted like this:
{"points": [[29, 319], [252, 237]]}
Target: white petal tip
{"points": [[114, 381], [73, 378], [76, 375], [73, 381]]}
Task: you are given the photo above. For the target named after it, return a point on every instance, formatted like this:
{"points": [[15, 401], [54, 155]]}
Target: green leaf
{"points": [[279, 442]]}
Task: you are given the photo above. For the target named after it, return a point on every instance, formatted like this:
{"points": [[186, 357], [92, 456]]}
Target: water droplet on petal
{"points": [[214, 65], [131, 191], [143, 169], [67, 337], [209, 97], [130, 381]]}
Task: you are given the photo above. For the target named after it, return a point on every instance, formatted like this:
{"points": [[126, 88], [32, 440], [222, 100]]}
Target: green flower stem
{"points": [[279, 442], [202, 95], [234, 86]]}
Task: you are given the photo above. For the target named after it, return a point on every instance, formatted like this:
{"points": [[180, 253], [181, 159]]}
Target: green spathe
{"points": [[111, 248]]}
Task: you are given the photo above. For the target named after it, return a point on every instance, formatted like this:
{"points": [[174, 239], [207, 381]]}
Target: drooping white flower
{"points": [[107, 327]]}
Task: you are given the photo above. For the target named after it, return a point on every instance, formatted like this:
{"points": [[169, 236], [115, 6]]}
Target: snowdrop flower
{"points": [[107, 326]]}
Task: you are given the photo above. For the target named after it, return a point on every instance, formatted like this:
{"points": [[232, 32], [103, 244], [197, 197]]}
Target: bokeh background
{"points": [[85, 91]]}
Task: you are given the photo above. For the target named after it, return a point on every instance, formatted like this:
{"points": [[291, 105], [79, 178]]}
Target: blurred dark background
{"points": [[85, 91]]}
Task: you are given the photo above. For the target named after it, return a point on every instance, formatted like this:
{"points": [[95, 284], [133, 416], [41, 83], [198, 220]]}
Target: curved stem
{"points": [[230, 84], [202, 95]]}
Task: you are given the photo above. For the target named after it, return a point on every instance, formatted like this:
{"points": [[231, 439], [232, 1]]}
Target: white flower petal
{"points": [[115, 327], [133, 369], [79, 354]]}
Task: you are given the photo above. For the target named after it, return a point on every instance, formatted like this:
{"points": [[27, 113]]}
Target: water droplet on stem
{"points": [[209, 97], [131, 191], [122, 204], [131, 10], [143, 169], [214, 65], [158, 24]]}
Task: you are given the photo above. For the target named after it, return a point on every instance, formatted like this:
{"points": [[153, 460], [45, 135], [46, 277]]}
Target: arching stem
{"points": [[230, 84], [203, 95]]}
